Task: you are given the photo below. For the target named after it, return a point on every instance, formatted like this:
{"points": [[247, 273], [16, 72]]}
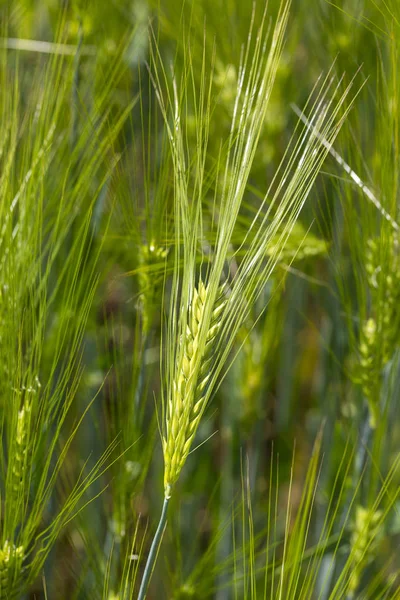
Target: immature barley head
{"points": [[10, 562], [150, 281], [187, 398], [366, 535], [23, 423], [379, 334]]}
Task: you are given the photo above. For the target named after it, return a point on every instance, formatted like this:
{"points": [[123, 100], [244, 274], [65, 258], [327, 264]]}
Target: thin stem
{"points": [[151, 559]]}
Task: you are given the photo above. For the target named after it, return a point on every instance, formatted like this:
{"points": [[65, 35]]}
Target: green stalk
{"points": [[151, 559]]}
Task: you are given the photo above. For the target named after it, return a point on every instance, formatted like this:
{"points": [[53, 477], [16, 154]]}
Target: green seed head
{"points": [[188, 395]]}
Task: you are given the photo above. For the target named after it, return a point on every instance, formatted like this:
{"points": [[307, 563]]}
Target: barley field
{"points": [[200, 300]]}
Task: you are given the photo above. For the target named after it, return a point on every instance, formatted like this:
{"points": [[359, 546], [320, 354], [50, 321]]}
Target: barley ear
{"points": [[10, 563], [366, 535], [21, 445], [187, 399]]}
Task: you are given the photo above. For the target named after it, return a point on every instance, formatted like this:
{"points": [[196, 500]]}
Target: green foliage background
{"points": [[292, 490]]}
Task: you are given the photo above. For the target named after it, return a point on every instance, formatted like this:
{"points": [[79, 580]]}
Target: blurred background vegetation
{"points": [[321, 363]]}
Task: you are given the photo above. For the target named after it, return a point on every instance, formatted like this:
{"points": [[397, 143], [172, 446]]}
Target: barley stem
{"points": [[151, 559]]}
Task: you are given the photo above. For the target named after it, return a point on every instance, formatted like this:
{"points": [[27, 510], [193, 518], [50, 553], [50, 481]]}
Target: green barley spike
{"points": [[379, 335], [188, 396], [366, 534], [20, 452], [10, 562]]}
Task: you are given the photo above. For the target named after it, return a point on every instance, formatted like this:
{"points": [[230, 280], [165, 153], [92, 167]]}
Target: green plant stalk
{"points": [[151, 559]]}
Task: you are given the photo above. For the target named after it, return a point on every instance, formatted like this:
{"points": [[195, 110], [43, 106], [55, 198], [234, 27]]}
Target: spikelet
{"points": [[10, 563], [187, 398]]}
